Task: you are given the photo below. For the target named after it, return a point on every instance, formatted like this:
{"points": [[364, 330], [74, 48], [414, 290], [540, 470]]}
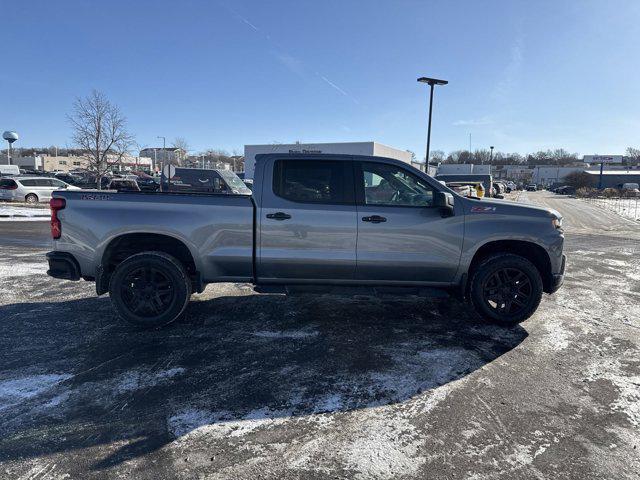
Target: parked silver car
{"points": [[31, 189]]}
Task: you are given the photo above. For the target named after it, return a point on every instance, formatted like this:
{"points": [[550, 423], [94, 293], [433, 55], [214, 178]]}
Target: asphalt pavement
{"points": [[264, 386]]}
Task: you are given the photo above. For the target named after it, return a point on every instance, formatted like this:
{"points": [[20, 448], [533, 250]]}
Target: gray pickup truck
{"points": [[316, 223]]}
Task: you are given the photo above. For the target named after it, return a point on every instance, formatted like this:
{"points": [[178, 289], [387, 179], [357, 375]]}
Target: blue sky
{"points": [[524, 75]]}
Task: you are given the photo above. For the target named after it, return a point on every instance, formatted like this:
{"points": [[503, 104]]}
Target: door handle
{"points": [[374, 219], [279, 216]]}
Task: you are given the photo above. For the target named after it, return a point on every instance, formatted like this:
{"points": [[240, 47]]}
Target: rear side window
{"points": [[29, 182], [313, 181]]}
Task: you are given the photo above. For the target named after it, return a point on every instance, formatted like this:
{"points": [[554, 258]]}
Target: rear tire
{"points": [[505, 288], [150, 289], [31, 198]]}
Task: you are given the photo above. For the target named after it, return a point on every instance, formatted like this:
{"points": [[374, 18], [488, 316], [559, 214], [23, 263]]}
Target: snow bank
{"points": [[16, 213]]}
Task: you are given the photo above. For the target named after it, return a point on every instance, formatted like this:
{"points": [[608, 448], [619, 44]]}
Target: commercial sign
{"points": [[602, 158]]}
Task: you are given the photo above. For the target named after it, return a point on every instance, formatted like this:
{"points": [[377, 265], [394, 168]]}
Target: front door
{"points": [[402, 237], [307, 221]]}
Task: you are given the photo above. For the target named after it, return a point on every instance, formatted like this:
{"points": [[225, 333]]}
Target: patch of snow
{"points": [[22, 269], [386, 447], [13, 213], [196, 422], [15, 391], [292, 334], [628, 386], [135, 380], [557, 335]]}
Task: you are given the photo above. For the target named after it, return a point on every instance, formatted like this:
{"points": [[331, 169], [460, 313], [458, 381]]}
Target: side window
{"points": [[57, 183], [28, 183], [313, 181], [393, 186]]}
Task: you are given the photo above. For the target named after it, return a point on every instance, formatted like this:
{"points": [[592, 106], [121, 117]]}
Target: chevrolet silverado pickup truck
{"points": [[314, 223]]}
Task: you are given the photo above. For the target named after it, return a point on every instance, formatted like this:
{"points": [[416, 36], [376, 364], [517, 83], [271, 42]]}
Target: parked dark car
{"points": [[68, 178], [565, 190], [200, 180]]}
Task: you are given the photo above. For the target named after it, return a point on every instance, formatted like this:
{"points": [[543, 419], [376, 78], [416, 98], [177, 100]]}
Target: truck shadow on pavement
{"points": [[74, 380]]}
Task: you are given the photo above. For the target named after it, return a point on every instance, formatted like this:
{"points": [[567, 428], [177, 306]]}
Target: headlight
{"points": [[557, 223]]}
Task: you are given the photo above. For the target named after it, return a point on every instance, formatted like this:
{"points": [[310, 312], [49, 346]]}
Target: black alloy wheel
{"points": [[150, 289], [505, 288]]}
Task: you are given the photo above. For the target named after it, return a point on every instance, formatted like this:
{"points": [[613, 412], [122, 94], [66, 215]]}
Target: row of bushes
{"points": [[587, 192]]}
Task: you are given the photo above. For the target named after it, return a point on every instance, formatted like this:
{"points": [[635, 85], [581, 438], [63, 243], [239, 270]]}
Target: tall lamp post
{"points": [[164, 156], [491, 157], [10, 137], [431, 82]]}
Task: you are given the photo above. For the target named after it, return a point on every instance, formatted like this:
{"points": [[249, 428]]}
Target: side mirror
{"points": [[444, 201]]}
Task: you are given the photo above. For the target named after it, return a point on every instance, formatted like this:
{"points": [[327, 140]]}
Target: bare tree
{"points": [[579, 179], [183, 146], [100, 132]]}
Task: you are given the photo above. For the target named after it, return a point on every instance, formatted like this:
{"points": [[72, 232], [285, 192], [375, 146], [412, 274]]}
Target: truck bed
{"points": [[216, 228]]}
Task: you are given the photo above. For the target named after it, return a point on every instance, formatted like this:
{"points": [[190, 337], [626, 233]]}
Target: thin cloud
{"points": [[249, 23], [336, 87], [512, 71], [473, 122], [290, 62]]}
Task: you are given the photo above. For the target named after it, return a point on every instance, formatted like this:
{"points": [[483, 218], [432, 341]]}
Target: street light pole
{"points": [[491, 158], [431, 82], [164, 157]]}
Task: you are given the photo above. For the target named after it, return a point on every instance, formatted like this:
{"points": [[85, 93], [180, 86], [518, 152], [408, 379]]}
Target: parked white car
{"points": [[31, 189]]}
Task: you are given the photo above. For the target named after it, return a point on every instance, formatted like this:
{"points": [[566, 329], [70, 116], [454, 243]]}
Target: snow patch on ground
{"points": [[22, 269], [557, 335], [15, 391], [13, 213], [625, 207], [628, 386], [387, 446], [135, 380], [197, 422], [291, 334]]}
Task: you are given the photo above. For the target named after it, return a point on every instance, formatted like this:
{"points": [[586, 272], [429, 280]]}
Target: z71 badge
{"points": [[483, 209]]}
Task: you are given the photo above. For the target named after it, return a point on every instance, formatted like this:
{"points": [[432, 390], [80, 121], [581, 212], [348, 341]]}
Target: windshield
{"points": [[234, 182]]}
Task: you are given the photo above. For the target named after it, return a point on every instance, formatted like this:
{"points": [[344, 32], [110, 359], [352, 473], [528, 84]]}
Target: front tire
{"points": [[150, 289], [505, 288]]}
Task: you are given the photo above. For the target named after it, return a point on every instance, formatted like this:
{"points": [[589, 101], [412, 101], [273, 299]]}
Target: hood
{"points": [[512, 208]]}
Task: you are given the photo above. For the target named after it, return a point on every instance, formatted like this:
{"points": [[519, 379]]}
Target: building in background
{"points": [[61, 163], [614, 178], [463, 168], [549, 175], [172, 155], [346, 148]]}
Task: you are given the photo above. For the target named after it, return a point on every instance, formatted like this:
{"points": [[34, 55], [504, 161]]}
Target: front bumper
{"points": [[63, 265], [558, 278]]}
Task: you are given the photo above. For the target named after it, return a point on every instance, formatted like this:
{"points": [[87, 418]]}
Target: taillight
{"points": [[56, 204]]}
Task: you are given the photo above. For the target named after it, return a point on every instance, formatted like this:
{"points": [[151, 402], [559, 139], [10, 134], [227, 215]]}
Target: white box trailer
{"points": [[347, 148]]}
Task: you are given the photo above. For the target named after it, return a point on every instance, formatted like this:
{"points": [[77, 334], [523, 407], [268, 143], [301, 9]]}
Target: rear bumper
{"points": [[63, 265], [558, 278]]}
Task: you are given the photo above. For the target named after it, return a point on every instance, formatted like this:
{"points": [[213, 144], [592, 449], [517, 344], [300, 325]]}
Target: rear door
{"points": [[402, 237], [44, 187], [307, 221]]}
